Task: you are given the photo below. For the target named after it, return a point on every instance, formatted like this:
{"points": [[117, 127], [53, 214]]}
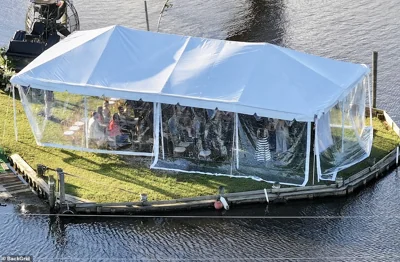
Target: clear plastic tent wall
{"points": [[342, 136], [273, 149], [196, 140], [207, 141], [88, 123]]}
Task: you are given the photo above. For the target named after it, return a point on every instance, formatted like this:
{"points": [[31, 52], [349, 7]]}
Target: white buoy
{"points": [[224, 202], [266, 195]]}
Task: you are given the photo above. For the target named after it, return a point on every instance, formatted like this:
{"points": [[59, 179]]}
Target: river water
{"points": [[364, 227]]}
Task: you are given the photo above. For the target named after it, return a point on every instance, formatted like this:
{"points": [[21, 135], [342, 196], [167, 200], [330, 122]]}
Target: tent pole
{"points": [[86, 122], [162, 131], [316, 149], [313, 170], [15, 114], [233, 145], [307, 167], [343, 126], [156, 130], [237, 139]]}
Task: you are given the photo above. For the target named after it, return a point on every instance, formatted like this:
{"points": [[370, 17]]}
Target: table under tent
{"points": [[199, 105]]}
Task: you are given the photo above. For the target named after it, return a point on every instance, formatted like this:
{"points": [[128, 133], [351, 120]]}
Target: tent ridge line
{"points": [[177, 61], [102, 52]]}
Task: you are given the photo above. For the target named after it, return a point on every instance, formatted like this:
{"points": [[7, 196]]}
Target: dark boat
{"points": [[47, 21]]}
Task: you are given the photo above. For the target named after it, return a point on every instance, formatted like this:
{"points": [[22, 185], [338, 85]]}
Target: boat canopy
{"points": [[248, 78]]}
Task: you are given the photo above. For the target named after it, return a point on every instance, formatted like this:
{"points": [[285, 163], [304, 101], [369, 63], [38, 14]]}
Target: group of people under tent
{"points": [[271, 135], [197, 133], [209, 134], [131, 124]]}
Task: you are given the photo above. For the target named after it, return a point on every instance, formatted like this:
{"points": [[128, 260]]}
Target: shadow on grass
{"points": [[105, 169], [72, 189], [38, 148], [138, 168]]}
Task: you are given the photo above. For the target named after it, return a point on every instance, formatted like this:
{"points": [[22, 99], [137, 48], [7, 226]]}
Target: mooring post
{"points": [[147, 15], [374, 77], [62, 186], [41, 169], [52, 195]]}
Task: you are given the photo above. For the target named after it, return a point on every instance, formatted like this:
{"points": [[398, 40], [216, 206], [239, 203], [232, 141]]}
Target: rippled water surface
{"points": [[364, 227]]}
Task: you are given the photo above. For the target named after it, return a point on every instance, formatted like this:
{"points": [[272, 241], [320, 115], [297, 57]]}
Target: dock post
{"points": [[52, 195], [374, 77], [41, 169], [60, 174], [147, 15]]}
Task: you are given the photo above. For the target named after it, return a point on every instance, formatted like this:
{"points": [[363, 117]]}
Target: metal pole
{"points": [[237, 139], [86, 123], [313, 170], [60, 174], [52, 197], [374, 77], [15, 115], [343, 126], [147, 15], [162, 131]]}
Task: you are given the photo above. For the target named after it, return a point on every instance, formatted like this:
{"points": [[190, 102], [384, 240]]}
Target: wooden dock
{"points": [[78, 205], [37, 183], [11, 186]]}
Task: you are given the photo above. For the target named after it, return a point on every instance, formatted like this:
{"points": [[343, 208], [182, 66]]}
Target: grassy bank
{"points": [[109, 178]]}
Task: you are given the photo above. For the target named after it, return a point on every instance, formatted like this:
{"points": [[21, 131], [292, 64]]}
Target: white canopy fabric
{"points": [[232, 76]]}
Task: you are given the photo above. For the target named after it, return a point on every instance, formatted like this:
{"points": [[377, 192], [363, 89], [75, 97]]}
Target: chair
{"points": [[38, 29], [205, 154], [179, 151]]}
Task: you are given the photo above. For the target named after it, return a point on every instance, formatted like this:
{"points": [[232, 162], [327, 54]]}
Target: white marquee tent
{"points": [[243, 78]]}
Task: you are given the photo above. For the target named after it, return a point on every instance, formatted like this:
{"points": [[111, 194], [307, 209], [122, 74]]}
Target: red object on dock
{"points": [[218, 205]]}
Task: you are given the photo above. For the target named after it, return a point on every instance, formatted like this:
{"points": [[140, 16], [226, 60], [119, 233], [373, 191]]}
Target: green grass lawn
{"points": [[110, 178]]}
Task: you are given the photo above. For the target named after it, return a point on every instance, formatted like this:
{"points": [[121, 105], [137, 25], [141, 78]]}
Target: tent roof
{"points": [[232, 76]]}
